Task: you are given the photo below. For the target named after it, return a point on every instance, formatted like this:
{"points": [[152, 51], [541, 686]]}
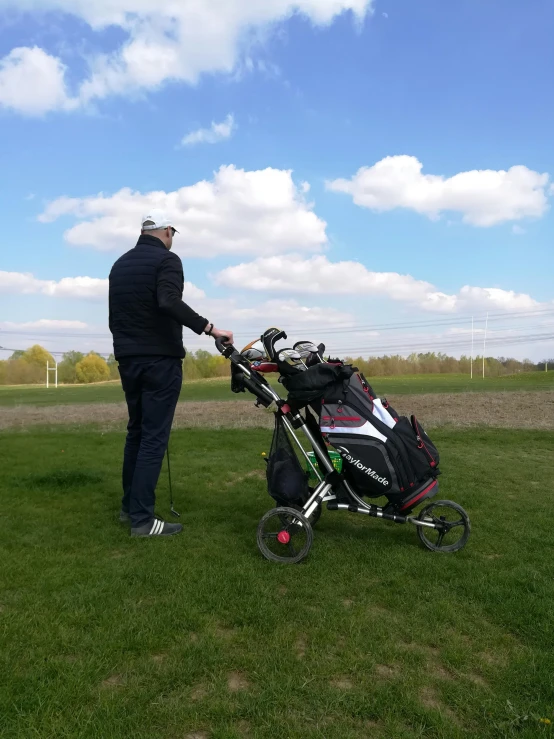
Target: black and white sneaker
{"points": [[157, 527]]}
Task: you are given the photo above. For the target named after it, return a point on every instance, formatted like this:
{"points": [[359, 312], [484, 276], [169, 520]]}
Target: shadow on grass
{"points": [[59, 479]]}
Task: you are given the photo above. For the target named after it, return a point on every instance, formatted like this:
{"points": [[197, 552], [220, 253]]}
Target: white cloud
{"points": [[291, 313], [212, 135], [238, 212], [169, 41], [33, 82], [91, 288], [482, 197], [45, 324], [87, 288], [291, 274]]}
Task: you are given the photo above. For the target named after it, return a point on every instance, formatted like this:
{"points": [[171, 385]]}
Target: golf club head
{"points": [[292, 358], [254, 351], [253, 355], [309, 351], [269, 338]]}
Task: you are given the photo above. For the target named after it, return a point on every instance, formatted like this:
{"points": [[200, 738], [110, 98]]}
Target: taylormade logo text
{"points": [[366, 470]]}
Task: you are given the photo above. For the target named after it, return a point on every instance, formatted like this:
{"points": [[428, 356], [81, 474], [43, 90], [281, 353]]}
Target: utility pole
{"points": [[485, 343]]}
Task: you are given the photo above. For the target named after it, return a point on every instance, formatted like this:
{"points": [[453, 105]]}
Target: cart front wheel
{"points": [[451, 526], [284, 536]]}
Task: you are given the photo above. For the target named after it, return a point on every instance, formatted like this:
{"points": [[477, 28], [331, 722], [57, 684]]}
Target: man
{"points": [[146, 319]]}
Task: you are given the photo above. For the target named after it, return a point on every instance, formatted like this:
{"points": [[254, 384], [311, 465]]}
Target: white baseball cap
{"points": [[156, 219]]}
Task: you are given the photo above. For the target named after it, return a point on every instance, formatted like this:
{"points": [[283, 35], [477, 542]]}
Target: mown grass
{"points": [[219, 388], [198, 636]]}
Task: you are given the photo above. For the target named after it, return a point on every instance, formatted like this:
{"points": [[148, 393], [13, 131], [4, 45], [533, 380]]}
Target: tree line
{"points": [[28, 366]]}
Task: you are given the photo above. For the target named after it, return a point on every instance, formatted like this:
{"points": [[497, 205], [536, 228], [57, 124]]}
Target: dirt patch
{"points": [[114, 681], [385, 672], [421, 648], [198, 735], [477, 680], [243, 728], [526, 410], [496, 660], [380, 611], [341, 683], [347, 602], [255, 474], [198, 693], [158, 658], [237, 681], [225, 632], [429, 699], [440, 672], [300, 647]]}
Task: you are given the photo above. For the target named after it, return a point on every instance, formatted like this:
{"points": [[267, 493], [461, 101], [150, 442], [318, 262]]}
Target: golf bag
{"points": [[383, 454]]}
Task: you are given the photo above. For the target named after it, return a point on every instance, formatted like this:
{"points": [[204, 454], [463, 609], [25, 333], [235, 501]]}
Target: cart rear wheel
{"points": [[452, 526], [285, 536]]}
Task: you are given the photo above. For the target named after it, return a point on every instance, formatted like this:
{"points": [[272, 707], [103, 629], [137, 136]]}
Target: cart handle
{"points": [[224, 348]]}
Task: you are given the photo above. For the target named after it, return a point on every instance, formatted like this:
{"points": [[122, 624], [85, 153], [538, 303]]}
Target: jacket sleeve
{"points": [[169, 292]]}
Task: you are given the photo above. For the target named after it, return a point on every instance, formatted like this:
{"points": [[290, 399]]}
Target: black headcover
{"points": [[316, 382]]}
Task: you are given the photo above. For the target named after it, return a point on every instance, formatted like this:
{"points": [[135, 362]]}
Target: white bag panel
{"points": [[382, 414], [368, 429]]}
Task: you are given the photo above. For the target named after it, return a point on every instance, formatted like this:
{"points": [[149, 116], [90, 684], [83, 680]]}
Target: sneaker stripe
{"points": [[154, 527], [159, 527]]}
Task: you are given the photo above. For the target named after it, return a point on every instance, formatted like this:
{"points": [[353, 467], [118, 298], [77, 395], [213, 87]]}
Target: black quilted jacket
{"points": [[147, 312]]}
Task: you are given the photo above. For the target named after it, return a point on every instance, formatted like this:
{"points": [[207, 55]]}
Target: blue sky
{"points": [[96, 97]]}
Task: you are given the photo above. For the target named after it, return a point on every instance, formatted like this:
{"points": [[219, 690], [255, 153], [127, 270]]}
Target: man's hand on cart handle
{"points": [[226, 337]]}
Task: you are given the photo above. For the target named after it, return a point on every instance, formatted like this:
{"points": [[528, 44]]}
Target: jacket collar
{"points": [[147, 240]]}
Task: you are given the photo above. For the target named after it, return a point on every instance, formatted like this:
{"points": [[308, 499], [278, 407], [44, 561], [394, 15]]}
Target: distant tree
{"points": [[37, 355], [93, 368], [114, 367], [67, 372], [546, 364], [18, 354]]}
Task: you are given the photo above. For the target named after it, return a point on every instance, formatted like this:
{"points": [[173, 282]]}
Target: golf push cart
{"points": [[360, 448]]}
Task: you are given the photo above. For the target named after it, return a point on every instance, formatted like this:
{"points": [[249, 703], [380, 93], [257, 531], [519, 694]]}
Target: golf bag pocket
{"points": [[287, 482], [369, 465], [422, 460]]}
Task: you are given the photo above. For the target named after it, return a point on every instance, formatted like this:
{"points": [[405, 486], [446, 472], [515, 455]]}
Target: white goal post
{"points": [[51, 369]]}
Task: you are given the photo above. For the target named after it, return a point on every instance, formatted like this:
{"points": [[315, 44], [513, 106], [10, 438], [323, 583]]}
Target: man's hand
{"points": [[225, 336]]}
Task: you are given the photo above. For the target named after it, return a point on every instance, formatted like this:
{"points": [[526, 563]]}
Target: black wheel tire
{"points": [[464, 521], [298, 525]]}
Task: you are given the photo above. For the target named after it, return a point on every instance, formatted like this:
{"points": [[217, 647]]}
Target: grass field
{"points": [[219, 389], [198, 637]]}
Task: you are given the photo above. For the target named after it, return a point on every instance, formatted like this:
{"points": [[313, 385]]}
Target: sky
{"points": [[374, 174]]}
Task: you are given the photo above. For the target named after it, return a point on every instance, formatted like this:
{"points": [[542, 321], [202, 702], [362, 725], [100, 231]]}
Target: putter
{"points": [[172, 508]]}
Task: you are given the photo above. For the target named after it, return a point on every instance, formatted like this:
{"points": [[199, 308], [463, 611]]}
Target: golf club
{"points": [[172, 508], [292, 358], [308, 349]]}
